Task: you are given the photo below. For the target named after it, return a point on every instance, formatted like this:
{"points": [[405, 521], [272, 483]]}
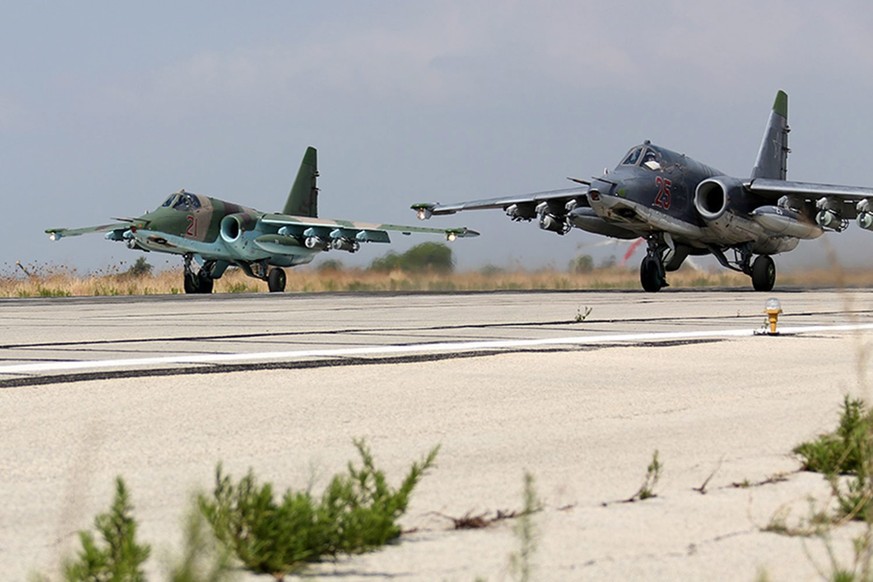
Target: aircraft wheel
{"points": [[650, 275], [205, 283], [276, 280], [192, 284], [198, 283], [763, 273]]}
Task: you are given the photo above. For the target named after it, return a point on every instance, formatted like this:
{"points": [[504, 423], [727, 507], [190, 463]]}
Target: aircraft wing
{"points": [[304, 226], [810, 190], [427, 209], [845, 200], [114, 231]]}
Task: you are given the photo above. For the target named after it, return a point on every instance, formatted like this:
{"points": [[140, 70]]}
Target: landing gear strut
{"points": [[762, 269]]}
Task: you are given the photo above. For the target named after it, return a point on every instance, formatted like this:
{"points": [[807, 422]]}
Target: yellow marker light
{"points": [[773, 308]]}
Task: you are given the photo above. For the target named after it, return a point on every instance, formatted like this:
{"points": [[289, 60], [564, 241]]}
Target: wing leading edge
{"points": [[360, 231], [426, 209]]}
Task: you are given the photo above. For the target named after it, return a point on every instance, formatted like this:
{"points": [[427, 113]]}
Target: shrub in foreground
{"points": [[357, 512], [839, 452], [121, 557]]}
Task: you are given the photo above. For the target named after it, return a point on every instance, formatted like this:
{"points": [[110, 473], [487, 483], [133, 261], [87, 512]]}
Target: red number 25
{"points": [[662, 199]]}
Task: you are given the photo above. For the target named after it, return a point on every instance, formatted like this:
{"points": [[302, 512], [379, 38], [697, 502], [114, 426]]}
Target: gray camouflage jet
{"points": [[212, 235], [682, 207]]}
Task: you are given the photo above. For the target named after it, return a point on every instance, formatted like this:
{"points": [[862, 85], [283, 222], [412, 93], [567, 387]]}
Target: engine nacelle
{"points": [[724, 205], [345, 244], [233, 225], [714, 196]]}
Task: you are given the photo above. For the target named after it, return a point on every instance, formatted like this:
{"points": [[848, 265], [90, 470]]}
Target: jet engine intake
{"points": [[715, 195], [233, 225]]}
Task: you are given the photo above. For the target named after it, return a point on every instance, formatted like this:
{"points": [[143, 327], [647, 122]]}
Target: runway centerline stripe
{"points": [[463, 346]]}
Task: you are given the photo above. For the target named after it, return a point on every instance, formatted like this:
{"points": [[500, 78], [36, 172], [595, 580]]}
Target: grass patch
{"points": [[653, 475], [120, 557], [842, 451], [357, 512]]}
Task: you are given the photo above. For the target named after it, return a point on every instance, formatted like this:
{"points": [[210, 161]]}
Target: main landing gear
{"points": [[762, 269], [275, 277], [276, 280], [200, 281], [662, 255], [763, 273]]}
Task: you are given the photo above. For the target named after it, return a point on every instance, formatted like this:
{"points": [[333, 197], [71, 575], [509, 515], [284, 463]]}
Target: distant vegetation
{"points": [[426, 267], [426, 257]]}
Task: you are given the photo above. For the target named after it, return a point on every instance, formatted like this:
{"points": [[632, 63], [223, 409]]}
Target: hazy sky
{"points": [[106, 107]]}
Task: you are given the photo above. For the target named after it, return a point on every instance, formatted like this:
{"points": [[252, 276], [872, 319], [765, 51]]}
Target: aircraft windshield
{"points": [[169, 202], [633, 157], [186, 202]]}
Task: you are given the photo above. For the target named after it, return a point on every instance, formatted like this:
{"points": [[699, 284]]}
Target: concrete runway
{"points": [[160, 389]]}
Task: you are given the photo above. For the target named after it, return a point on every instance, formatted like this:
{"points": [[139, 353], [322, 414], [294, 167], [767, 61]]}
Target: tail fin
{"points": [[772, 159], [303, 198]]}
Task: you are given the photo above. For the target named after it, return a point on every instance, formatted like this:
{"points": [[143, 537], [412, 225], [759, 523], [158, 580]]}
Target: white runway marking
{"points": [[410, 349]]}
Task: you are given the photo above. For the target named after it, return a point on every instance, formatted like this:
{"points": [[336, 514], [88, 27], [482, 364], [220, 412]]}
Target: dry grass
{"points": [[53, 281]]}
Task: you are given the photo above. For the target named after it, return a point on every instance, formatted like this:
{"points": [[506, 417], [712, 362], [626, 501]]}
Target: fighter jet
{"points": [[212, 235], [682, 207]]}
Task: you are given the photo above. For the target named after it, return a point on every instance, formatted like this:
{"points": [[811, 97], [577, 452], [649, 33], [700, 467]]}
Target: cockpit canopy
{"points": [[646, 156], [183, 201]]}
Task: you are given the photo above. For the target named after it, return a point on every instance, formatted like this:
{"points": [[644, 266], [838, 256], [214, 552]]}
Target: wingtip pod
{"points": [[54, 234], [423, 210], [463, 232]]}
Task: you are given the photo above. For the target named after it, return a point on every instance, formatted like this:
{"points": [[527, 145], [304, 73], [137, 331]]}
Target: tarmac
{"points": [[578, 389]]}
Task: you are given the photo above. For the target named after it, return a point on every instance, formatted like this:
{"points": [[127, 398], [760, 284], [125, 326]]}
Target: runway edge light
{"points": [[773, 308]]}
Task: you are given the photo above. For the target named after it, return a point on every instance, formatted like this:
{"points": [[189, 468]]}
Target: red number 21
{"points": [[662, 199]]}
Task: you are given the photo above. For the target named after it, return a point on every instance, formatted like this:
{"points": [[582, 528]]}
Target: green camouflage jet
{"points": [[212, 235]]}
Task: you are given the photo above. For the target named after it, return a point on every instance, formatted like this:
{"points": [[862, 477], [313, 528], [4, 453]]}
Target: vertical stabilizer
{"points": [[772, 159], [303, 198]]}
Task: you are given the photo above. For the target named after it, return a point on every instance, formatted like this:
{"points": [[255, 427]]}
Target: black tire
{"points": [[763, 273], [650, 275], [192, 283], [205, 282], [198, 283], [276, 280]]}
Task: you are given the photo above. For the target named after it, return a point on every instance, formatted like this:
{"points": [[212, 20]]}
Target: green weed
{"points": [[203, 559], [840, 452], [520, 562], [357, 512], [121, 557], [653, 475]]}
